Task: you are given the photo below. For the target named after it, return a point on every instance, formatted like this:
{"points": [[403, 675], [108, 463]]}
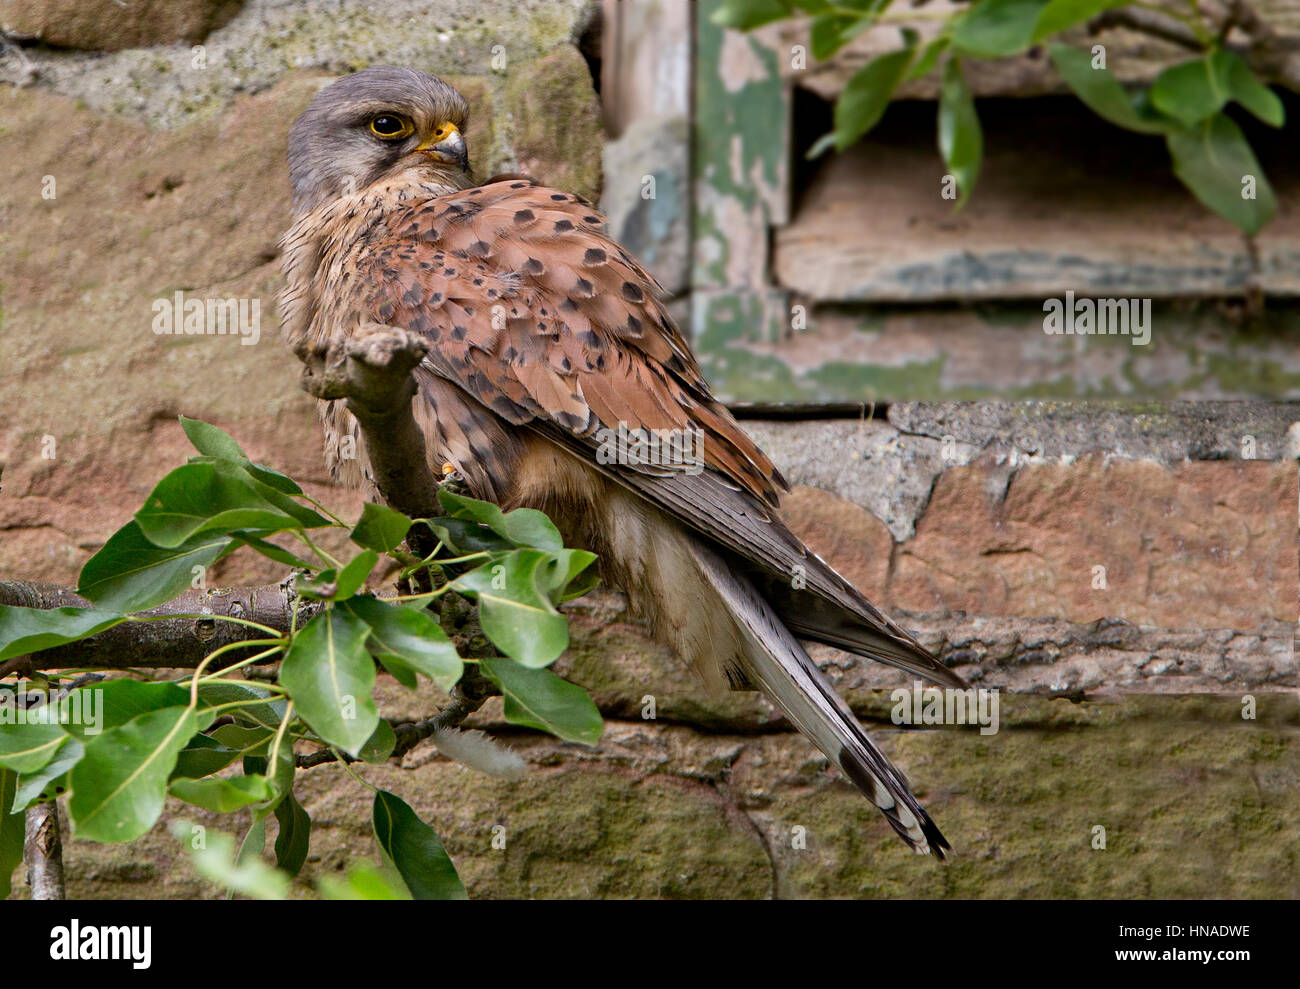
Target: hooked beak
{"points": [[447, 144]]}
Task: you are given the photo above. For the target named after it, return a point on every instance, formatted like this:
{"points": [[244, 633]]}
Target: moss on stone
{"points": [[555, 121]]}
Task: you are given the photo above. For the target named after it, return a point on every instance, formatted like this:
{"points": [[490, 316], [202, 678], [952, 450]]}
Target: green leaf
{"points": [[245, 741], [308, 518], [120, 785], [254, 843], [1190, 91], [380, 528], [222, 795], [89, 710], [294, 839], [211, 441], [12, 831], [272, 552], [929, 58], [414, 848], [131, 574], [330, 676], [583, 583], [330, 585], [216, 860], [961, 142], [540, 699], [380, 745], [867, 94], [744, 15], [557, 575], [203, 756], [1212, 159], [281, 776], [261, 706], [1249, 91], [515, 611], [353, 576], [407, 641], [207, 497], [832, 30], [828, 34], [363, 882], [1102, 94], [1058, 15], [995, 28], [464, 536], [26, 630], [26, 747], [50, 779], [523, 526]]}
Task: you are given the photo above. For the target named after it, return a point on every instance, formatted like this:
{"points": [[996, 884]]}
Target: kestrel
{"points": [[545, 338]]}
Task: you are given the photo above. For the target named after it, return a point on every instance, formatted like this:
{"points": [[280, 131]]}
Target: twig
{"points": [[1148, 22], [1271, 56]]}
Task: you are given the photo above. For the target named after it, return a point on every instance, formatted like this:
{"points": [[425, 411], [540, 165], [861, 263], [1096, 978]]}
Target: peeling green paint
{"points": [[741, 140], [1194, 352]]}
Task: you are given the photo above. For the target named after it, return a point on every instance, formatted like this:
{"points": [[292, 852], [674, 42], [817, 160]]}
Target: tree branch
{"points": [[371, 370], [180, 642], [1272, 56], [43, 852], [1148, 22]]}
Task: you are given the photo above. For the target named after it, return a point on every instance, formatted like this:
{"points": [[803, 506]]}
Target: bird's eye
{"points": [[391, 127]]}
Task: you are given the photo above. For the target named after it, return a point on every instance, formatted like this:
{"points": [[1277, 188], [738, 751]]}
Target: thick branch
{"points": [[43, 852], [179, 643], [372, 371]]}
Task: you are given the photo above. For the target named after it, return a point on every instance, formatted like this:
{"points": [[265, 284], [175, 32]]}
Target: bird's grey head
{"points": [[372, 124]]}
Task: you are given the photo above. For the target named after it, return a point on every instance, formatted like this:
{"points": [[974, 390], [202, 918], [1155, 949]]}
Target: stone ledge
{"points": [[661, 811], [611, 655]]}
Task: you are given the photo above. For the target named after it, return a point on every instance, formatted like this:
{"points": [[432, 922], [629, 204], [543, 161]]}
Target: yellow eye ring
{"points": [[391, 127]]}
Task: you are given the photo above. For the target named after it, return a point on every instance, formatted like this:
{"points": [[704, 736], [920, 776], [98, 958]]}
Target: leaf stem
{"points": [[347, 768], [427, 596], [320, 553], [220, 618], [195, 680], [326, 512], [284, 725], [431, 560]]}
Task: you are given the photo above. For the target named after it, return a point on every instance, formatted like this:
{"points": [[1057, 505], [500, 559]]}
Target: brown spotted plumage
{"points": [[546, 338]]}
